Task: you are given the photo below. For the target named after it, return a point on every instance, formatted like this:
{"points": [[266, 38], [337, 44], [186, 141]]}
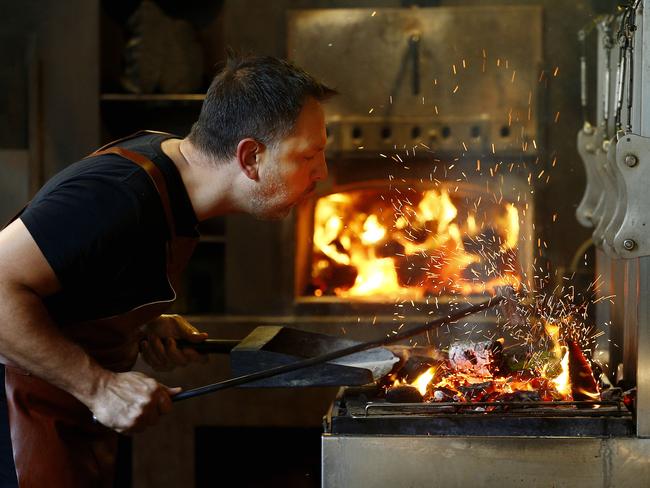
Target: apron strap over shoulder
{"points": [[155, 175]]}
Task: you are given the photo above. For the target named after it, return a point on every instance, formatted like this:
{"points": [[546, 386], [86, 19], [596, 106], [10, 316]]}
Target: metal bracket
{"points": [[627, 234], [590, 141], [616, 202], [609, 195]]}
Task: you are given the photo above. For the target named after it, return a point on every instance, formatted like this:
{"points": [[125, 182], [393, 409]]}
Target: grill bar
{"points": [[581, 408]]}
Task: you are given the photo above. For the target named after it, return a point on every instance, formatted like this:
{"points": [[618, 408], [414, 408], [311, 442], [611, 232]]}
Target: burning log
{"points": [[583, 383], [390, 249], [335, 276], [412, 270], [414, 367]]}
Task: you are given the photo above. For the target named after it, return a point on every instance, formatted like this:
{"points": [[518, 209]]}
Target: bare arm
{"points": [[30, 339]]}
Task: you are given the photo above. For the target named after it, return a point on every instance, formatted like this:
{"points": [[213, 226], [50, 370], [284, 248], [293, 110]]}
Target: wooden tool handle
{"points": [[209, 346]]}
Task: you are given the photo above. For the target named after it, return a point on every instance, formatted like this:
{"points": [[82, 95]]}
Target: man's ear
{"points": [[248, 157]]}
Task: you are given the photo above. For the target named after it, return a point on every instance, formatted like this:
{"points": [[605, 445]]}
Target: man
{"points": [[90, 264]]}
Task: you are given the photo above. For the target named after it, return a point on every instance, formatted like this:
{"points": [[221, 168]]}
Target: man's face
{"points": [[290, 170]]}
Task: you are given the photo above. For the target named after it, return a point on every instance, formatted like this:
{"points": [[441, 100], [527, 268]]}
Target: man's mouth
{"points": [[310, 190], [305, 195]]}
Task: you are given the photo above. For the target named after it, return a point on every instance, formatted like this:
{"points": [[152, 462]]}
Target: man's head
{"points": [[265, 113]]}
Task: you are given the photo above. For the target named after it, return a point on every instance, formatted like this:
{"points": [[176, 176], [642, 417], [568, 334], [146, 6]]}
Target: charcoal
{"points": [[476, 391], [403, 394], [611, 394], [444, 395], [498, 365], [629, 399], [522, 396], [471, 357], [414, 367]]}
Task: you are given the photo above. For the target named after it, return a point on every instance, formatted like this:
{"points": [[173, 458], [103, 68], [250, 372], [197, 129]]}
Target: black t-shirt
{"points": [[101, 226]]}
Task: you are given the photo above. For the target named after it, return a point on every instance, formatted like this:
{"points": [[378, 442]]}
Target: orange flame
{"points": [[422, 381], [562, 382], [366, 246]]}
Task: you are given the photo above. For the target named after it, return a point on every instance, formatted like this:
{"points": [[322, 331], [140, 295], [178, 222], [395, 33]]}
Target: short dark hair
{"points": [[253, 96]]}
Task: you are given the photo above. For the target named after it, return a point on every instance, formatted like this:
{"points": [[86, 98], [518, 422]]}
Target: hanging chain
{"points": [[608, 43], [582, 36], [630, 33], [625, 65]]}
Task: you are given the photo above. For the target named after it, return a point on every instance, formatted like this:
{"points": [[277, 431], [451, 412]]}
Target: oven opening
{"points": [[410, 239]]}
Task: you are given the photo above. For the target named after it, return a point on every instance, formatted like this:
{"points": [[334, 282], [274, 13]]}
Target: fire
{"points": [[473, 372], [330, 225], [561, 381], [367, 245], [511, 225], [422, 381], [378, 276], [473, 387], [373, 231]]}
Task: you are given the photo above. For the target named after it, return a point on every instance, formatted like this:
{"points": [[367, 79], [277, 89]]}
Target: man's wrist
{"points": [[94, 381]]}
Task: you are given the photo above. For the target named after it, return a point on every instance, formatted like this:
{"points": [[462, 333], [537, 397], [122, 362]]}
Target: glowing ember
{"points": [[367, 244], [528, 385], [478, 372]]}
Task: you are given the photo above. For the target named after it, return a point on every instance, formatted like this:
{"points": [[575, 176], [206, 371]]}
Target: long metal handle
{"points": [[287, 368], [208, 346]]}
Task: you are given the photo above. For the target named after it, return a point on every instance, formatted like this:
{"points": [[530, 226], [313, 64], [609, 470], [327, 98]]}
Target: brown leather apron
{"points": [[55, 441]]}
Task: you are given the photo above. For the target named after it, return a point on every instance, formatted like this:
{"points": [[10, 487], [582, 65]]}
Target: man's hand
{"points": [[130, 402], [159, 347]]}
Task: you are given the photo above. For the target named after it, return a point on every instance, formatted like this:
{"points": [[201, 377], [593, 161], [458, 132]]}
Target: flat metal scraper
{"points": [[271, 346]]}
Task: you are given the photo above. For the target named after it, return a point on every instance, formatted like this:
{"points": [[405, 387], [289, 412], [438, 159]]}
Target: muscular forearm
{"points": [[31, 340]]}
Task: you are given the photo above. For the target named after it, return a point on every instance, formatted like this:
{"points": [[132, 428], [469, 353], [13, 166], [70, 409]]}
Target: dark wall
{"points": [[61, 38]]}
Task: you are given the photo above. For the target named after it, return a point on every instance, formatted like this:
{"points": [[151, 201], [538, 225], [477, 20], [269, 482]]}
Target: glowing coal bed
{"points": [[538, 381]]}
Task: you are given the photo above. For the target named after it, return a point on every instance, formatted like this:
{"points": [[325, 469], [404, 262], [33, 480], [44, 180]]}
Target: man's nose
{"points": [[320, 173]]}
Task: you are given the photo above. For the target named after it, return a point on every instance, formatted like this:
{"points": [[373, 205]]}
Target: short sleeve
{"points": [[83, 227]]}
